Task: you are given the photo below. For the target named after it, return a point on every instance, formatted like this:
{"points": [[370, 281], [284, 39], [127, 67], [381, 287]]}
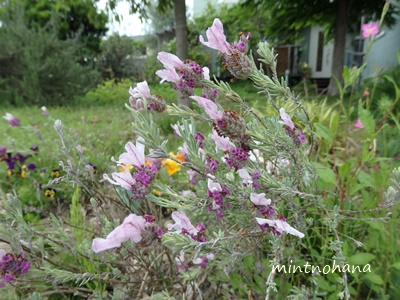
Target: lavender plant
{"points": [[248, 177], [242, 196]]}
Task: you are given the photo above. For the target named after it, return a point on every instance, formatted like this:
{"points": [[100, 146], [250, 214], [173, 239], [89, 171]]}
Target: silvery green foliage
{"points": [[393, 192]]}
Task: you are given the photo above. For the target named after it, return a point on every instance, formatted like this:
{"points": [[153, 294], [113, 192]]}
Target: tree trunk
{"points": [[181, 36], [339, 46]]}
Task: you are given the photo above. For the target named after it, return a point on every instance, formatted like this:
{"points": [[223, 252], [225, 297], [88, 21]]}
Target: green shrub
{"points": [[38, 68]]}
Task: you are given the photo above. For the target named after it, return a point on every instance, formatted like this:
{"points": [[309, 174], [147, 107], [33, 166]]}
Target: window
{"points": [[320, 51]]}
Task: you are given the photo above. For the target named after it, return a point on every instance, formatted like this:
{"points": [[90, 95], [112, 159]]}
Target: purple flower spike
{"points": [[11, 266], [234, 56], [141, 93], [13, 121]]}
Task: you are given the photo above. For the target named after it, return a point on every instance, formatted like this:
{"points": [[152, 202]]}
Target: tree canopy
{"points": [[36, 67], [76, 19]]}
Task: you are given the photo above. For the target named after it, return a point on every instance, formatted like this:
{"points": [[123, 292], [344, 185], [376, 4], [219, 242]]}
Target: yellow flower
{"points": [[23, 172], [157, 192], [50, 193], [125, 167], [55, 173], [172, 166]]}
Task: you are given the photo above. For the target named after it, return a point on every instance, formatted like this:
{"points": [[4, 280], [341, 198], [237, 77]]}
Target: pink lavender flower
{"points": [[193, 177], [123, 179], [370, 29], [366, 92], [222, 143], [180, 260], [279, 226], [169, 75], [358, 124], [170, 61], [13, 121], [213, 186], [210, 108], [235, 59], [45, 112], [182, 224], [295, 134], [185, 75], [130, 229], [256, 155], [216, 38], [246, 178], [141, 93], [134, 155], [141, 90], [178, 128], [259, 199], [217, 193], [203, 260], [286, 119], [12, 266]]}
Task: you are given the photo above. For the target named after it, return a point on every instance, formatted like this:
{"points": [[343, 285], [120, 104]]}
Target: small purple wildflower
{"points": [[31, 167], [219, 214], [12, 266], [199, 138], [237, 158], [217, 193], [211, 165]]}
